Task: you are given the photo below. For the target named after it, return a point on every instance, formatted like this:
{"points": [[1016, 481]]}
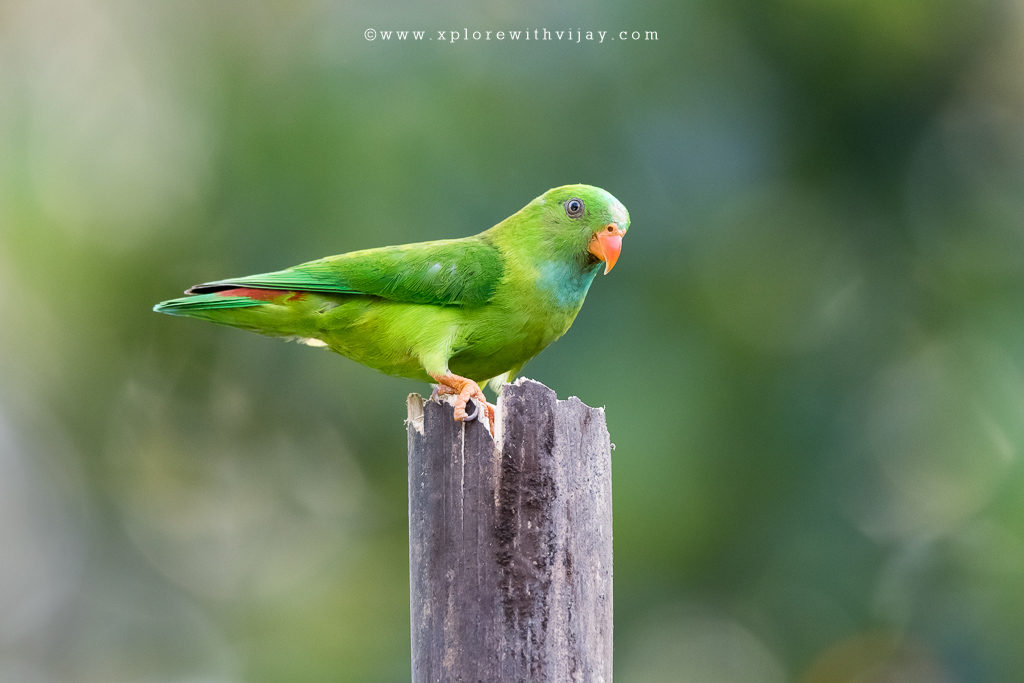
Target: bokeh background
{"points": [[811, 351]]}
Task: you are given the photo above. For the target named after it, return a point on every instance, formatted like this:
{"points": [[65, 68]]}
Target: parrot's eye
{"points": [[574, 208]]}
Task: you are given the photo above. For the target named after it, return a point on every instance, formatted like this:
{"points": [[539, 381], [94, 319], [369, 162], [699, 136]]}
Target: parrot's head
{"points": [[583, 222]]}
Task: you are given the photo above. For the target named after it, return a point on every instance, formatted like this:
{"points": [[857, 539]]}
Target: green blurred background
{"points": [[811, 351]]}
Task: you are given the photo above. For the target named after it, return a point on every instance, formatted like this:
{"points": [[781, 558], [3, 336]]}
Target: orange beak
{"points": [[606, 245]]}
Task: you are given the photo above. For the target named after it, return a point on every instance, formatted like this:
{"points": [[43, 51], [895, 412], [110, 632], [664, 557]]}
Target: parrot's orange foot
{"points": [[463, 389]]}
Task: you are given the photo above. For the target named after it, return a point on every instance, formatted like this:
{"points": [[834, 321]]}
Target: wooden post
{"points": [[510, 544]]}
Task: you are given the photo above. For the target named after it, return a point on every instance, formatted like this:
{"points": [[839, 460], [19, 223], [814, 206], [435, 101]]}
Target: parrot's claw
{"points": [[442, 390], [478, 413], [465, 390], [490, 411]]}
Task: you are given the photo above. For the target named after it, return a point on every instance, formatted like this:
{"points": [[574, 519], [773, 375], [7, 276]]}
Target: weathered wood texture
{"points": [[510, 547]]}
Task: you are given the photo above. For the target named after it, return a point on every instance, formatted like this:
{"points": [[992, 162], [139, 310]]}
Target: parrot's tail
{"points": [[278, 313], [190, 305]]}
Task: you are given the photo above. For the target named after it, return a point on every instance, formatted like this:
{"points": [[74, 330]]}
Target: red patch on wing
{"points": [[262, 294]]}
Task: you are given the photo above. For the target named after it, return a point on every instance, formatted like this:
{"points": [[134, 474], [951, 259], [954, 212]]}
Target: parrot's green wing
{"points": [[460, 272]]}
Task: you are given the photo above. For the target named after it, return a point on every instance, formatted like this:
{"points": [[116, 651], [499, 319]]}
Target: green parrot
{"points": [[459, 312]]}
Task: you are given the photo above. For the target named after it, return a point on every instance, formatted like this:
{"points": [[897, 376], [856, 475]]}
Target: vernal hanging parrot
{"points": [[457, 311]]}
